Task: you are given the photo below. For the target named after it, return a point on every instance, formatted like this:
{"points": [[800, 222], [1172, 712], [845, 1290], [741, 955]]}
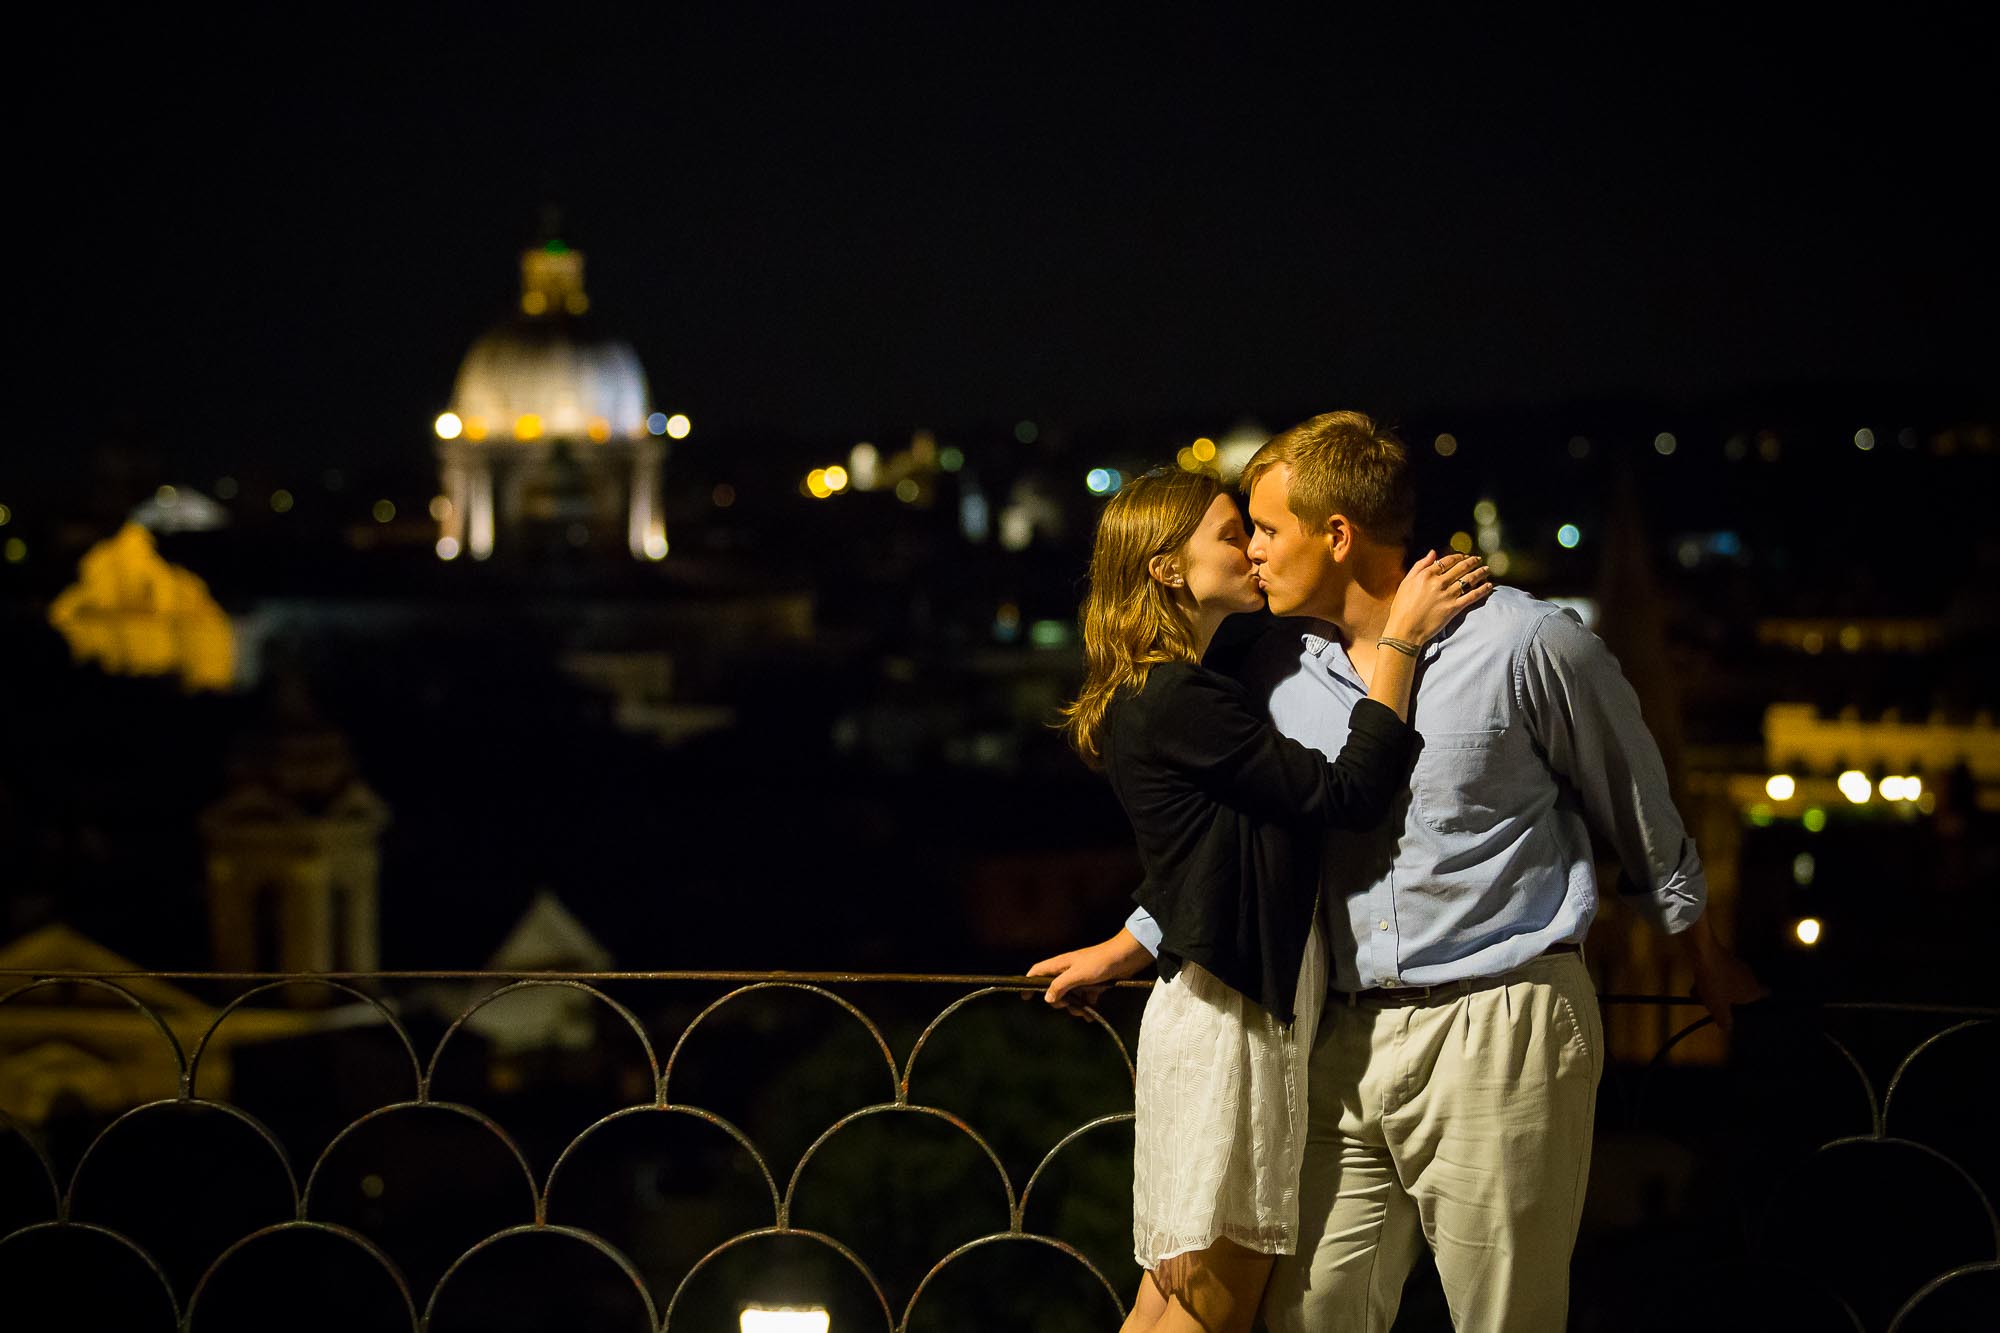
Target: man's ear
{"points": [[1165, 570], [1340, 534]]}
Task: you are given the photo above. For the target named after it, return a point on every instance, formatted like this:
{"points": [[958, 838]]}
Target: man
{"points": [[1453, 1077]]}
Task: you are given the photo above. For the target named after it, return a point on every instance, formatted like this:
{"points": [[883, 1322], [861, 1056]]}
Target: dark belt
{"points": [[1406, 994]]}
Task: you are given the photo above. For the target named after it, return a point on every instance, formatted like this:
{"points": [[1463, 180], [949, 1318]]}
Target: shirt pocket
{"points": [[1461, 780]]}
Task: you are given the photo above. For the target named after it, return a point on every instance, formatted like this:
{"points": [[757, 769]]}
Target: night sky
{"points": [[261, 235]]}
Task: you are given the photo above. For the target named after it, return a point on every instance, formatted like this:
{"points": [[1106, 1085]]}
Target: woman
{"points": [[1226, 812]]}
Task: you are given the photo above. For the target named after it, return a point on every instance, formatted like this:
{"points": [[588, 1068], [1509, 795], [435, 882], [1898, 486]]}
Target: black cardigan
{"points": [[1228, 815]]}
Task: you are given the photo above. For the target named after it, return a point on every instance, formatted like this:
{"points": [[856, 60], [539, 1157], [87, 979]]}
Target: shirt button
{"points": [[1381, 925], [1388, 983]]}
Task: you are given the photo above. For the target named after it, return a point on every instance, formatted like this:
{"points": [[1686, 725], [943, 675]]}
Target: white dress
{"points": [[1221, 1114]]}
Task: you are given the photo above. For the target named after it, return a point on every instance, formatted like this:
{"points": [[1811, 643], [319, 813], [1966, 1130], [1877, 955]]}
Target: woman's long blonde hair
{"points": [[1130, 622]]}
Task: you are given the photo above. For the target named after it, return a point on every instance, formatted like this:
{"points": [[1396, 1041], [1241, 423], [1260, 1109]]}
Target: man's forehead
{"points": [[1270, 498]]}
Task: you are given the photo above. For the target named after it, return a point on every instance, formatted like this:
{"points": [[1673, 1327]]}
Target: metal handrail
{"points": [[660, 1304]]}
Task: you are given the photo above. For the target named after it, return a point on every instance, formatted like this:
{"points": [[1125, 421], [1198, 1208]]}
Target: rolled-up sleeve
{"points": [[1585, 715], [1145, 930]]}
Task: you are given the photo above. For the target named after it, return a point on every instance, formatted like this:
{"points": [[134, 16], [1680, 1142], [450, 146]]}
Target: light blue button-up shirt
{"points": [[1529, 737]]}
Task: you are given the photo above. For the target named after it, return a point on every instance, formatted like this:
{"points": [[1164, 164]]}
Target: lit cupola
{"points": [[550, 442]]}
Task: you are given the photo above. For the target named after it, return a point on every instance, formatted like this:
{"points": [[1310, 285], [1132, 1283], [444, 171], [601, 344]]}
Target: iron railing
{"points": [[710, 1181]]}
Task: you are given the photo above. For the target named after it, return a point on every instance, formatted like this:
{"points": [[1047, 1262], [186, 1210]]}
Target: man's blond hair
{"points": [[1343, 463]]}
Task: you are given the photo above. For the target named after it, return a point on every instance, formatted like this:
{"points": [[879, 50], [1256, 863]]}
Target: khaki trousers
{"points": [[1462, 1120]]}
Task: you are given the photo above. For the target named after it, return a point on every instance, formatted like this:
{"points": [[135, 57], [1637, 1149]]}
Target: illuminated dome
{"points": [[544, 375], [551, 446]]}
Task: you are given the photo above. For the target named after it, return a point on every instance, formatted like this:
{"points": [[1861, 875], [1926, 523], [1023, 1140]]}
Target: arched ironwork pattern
{"points": [[676, 1006]]}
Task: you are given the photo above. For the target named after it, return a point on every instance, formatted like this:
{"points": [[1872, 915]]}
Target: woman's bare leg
{"points": [[1217, 1291], [1147, 1307]]}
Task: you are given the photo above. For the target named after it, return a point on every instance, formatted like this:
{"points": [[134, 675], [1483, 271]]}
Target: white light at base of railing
{"points": [[784, 1319]]}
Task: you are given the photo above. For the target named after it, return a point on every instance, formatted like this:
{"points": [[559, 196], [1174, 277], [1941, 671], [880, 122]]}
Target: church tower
{"points": [[551, 444], [293, 850]]}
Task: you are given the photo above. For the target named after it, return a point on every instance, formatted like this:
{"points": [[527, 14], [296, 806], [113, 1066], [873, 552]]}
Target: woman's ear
{"points": [[1165, 570]]}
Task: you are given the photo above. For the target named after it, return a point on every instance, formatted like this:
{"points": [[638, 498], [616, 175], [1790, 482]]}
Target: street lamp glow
{"points": [[657, 423], [816, 484], [1568, 535], [1807, 930], [836, 478], [1781, 787], [1098, 480], [784, 1319], [1855, 786], [448, 426], [1890, 788], [678, 426]]}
